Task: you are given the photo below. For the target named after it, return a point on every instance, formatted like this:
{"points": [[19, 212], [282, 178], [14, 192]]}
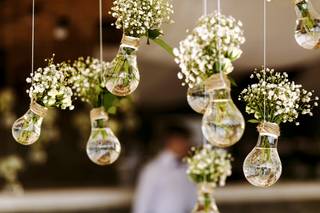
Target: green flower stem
{"points": [[164, 45], [303, 8]]}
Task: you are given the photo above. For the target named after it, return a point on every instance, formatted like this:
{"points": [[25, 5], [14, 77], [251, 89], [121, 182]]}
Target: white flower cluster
{"points": [[86, 80], [209, 165], [50, 86], [137, 17], [10, 166], [210, 48], [283, 100]]}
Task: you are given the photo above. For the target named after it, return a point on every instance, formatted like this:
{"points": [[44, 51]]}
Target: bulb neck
{"points": [[206, 201], [216, 82], [268, 135], [99, 118], [38, 109], [304, 9], [206, 188], [267, 141], [220, 95]]}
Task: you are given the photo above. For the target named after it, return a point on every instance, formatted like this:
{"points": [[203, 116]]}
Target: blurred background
{"points": [[56, 175]]}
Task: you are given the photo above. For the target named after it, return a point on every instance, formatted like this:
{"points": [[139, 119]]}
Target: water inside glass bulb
{"points": [[222, 124], [122, 76], [103, 147], [262, 167], [26, 129], [198, 98], [307, 33]]}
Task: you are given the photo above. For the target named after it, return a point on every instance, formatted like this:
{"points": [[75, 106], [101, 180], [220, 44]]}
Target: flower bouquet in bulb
{"points": [[49, 88], [103, 147], [7, 101], [209, 49], [137, 19], [307, 32], [272, 100], [10, 166], [208, 168]]}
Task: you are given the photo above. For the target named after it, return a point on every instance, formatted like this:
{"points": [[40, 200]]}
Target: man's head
{"points": [[177, 139]]}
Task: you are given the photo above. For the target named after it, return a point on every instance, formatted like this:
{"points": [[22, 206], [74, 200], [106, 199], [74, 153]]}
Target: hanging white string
{"points": [[32, 38], [101, 33], [205, 7], [219, 41], [264, 52], [205, 13]]}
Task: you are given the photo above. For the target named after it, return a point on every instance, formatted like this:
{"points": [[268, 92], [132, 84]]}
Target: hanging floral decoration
{"points": [[7, 100], [208, 167], [50, 87], [211, 47], [59, 86], [307, 32], [137, 19], [272, 101], [10, 167], [88, 87]]}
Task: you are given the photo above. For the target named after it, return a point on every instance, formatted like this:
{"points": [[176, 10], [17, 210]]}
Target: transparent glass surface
{"points": [[26, 130], [307, 33], [262, 167], [222, 124], [122, 76], [197, 98], [103, 147], [205, 202]]}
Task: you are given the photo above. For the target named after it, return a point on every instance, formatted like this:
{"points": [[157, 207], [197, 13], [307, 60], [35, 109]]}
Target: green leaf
{"points": [[112, 110], [153, 34], [109, 100], [233, 82], [164, 45], [253, 121]]}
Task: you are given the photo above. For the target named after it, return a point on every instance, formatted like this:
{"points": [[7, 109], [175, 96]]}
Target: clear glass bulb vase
{"points": [[262, 167], [205, 202], [198, 98], [222, 123], [26, 129], [307, 33], [103, 147], [122, 76]]}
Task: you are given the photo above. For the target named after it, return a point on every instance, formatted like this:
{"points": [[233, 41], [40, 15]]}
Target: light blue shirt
{"points": [[164, 187]]}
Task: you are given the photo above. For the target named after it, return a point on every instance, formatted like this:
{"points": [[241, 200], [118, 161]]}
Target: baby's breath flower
{"points": [[284, 100], [209, 165], [138, 17], [86, 80], [50, 86], [212, 46]]}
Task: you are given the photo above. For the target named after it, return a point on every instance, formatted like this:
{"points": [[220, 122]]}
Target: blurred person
{"points": [[163, 185]]}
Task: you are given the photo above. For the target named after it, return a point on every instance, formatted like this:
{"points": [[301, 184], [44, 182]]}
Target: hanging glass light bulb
{"points": [[122, 76], [222, 124], [307, 32], [103, 147], [206, 202], [262, 167], [26, 130], [198, 98]]}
